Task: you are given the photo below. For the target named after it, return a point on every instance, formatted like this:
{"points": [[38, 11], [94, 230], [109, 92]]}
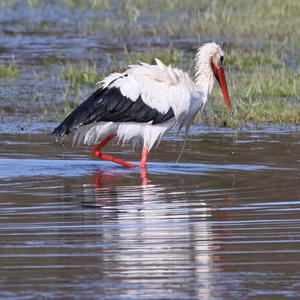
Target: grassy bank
{"points": [[9, 69], [261, 42], [262, 87], [260, 38]]}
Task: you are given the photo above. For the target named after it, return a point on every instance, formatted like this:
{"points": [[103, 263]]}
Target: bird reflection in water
{"points": [[101, 179], [156, 234]]}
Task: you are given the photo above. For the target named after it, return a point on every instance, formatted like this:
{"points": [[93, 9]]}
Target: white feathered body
{"points": [[161, 87]]}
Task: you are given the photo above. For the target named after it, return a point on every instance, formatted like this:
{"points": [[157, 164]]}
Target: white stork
{"points": [[144, 102]]}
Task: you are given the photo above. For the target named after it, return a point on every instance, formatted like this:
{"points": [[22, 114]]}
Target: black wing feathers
{"points": [[108, 104]]}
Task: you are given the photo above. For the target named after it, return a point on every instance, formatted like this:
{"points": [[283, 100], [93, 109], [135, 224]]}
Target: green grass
{"points": [[86, 73], [169, 56], [262, 49], [262, 87], [82, 73], [9, 69], [279, 111], [260, 21], [87, 4]]}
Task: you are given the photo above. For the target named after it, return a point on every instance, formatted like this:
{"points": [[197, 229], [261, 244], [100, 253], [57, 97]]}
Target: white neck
{"points": [[203, 71]]}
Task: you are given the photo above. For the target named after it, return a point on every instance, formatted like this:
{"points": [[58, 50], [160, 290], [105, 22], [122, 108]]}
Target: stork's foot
{"points": [[119, 161], [97, 152]]}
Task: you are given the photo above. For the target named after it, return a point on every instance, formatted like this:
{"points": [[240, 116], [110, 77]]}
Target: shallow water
{"points": [[222, 223]]}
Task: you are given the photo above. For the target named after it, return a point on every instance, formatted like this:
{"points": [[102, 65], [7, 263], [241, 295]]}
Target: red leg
{"points": [[144, 177], [145, 155], [98, 154]]}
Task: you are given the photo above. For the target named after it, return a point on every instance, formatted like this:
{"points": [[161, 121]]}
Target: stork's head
{"points": [[210, 57]]}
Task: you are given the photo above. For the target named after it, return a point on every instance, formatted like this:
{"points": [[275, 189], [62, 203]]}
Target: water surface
{"points": [[222, 223]]}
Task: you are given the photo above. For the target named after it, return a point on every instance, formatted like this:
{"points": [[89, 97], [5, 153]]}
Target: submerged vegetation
{"points": [[82, 73], [260, 39], [9, 69]]}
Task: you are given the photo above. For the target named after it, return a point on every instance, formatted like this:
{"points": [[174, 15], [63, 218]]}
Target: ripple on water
{"points": [[226, 227]]}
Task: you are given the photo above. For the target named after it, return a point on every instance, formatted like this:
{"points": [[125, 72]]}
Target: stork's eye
{"points": [[221, 59]]}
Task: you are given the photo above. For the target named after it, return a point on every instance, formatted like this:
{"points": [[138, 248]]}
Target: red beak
{"points": [[220, 75]]}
